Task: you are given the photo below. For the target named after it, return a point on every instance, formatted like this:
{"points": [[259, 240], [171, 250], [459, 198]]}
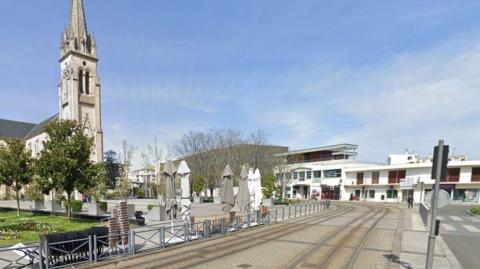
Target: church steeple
{"points": [[76, 36]]}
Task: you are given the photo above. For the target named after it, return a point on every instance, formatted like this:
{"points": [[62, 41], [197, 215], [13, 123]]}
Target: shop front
{"points": [[330, 192]]}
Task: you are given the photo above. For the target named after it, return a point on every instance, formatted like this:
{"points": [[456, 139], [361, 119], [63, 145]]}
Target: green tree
{"points": [[269, 185], [197, 184], [113, 168], [64, 163], [16, 167]]}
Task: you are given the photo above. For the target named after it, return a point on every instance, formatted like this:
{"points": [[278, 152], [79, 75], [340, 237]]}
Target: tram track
{"points": [[226, 248]]}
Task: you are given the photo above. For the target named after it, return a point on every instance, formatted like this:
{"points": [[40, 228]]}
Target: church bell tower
{"points": [[79, 85]]}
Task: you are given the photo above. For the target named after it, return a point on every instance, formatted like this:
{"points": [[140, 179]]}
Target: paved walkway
{"points": [[350, 235]]}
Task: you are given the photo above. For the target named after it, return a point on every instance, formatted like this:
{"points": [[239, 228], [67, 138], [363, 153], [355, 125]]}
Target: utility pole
{"points": [[439, 169]]}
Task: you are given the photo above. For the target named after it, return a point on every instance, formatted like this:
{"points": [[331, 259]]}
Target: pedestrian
{"points": [[410, 201]]}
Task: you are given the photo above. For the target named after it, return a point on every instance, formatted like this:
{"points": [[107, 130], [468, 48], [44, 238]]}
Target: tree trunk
{"points": [[69, 207], [18, 202]]}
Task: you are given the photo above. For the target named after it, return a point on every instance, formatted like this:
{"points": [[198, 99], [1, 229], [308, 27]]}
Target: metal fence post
{"points": [[305, 209], [295, 211], [95, 254], [289, 211], [40, 252], [162, 236], [205, 228], [248, 219], [186, 231], [132, 242], [276, 215], [90, 248], [223, 226], [283, 213]]}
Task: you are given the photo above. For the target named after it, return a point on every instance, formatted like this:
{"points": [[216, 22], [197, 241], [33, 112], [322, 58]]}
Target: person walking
{"points": [[410, 201]]}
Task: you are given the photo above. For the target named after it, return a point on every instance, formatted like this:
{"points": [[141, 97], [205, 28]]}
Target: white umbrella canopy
{"points": [[242, 202], [170, 190], [250, 185], [257, 190], [227, 197], [184, 173]]}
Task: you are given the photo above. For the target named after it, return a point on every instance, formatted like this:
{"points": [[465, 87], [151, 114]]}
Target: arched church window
{"points": [[80, 81], [87, 83]]}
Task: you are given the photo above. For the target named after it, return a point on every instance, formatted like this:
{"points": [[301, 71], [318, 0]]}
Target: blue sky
{"points": [[387, 75]]}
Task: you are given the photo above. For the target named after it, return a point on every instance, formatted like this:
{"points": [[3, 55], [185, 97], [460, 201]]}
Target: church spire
{"points": [[78, 24], [76, 37]]}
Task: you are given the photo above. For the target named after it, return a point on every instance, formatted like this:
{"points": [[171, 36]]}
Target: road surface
{"points": [[349, 235]]}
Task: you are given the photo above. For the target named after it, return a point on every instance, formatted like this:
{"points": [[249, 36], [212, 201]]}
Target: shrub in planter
{"points": [[102, 206], [76, 205]]}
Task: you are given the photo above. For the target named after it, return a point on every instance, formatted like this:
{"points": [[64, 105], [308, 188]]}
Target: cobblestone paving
{"points": [[364, 236]]}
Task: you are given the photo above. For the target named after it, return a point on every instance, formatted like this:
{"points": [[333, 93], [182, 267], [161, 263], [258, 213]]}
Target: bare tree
{"points": [[151, 161], [207, 153], [126, 156]]}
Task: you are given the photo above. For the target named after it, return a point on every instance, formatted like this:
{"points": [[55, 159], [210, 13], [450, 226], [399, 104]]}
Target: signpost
{"points": [[439, 172]]}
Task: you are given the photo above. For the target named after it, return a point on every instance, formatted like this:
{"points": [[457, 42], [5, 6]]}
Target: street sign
{"points": [[443, 162], [443, 198]]}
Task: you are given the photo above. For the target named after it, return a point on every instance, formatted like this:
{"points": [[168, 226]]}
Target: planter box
{"points": [[53, 206], [37, 205], [157, 213], [217, 200], [94, 210], [198, 199], [267, 202]]}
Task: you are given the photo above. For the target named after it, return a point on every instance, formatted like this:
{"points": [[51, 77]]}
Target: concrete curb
{"points": [[471, 214]]}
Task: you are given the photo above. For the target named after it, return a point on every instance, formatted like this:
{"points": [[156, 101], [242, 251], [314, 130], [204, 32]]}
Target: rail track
{"points": [[336, 249]]}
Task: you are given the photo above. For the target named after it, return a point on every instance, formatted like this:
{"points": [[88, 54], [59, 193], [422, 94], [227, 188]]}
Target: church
{"points": [[78, 89]]}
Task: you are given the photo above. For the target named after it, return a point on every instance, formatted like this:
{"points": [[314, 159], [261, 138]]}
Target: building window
{"points": [[87, 83], [309, 174], [332, 173], [288, 175], [371, 194], [476, 174], [295, 175], [453, 175], [317, 174], [80, 81], [375, 177], [395, 176], [359, 178], [301, 176], [392, 194]]}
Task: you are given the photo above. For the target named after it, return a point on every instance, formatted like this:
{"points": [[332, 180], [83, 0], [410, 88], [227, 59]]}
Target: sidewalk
{"points": [[414, 241]]}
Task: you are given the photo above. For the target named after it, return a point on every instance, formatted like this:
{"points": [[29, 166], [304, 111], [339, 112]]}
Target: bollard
{"points": [[132, 242]]}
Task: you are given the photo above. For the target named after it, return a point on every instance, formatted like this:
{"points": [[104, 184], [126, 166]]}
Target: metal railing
{"points": [[94, 248]]}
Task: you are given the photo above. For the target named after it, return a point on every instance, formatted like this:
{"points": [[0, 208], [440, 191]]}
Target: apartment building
{"points": [[409, 175]]}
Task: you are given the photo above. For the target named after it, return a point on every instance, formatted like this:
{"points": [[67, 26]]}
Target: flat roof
{"points": [[411, 166], [337, 147]]}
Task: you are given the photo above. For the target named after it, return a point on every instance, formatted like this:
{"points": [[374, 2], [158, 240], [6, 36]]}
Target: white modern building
{"points": [[317, 171], [409, 175], [143, 178]]}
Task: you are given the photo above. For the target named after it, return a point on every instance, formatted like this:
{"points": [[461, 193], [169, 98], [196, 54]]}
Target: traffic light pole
{"points": [[433, 207]]}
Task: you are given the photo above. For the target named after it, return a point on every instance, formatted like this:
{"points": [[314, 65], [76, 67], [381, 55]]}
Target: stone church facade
{"points": [[78, 88]]}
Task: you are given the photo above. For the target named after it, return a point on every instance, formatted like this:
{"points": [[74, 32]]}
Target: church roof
{"points": [[15, 129], [78, 24], [39, 128], [22, 130]]}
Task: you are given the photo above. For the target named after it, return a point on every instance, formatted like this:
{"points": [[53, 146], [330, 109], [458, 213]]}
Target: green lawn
{"points": [[29, 226], [475, 210]]}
